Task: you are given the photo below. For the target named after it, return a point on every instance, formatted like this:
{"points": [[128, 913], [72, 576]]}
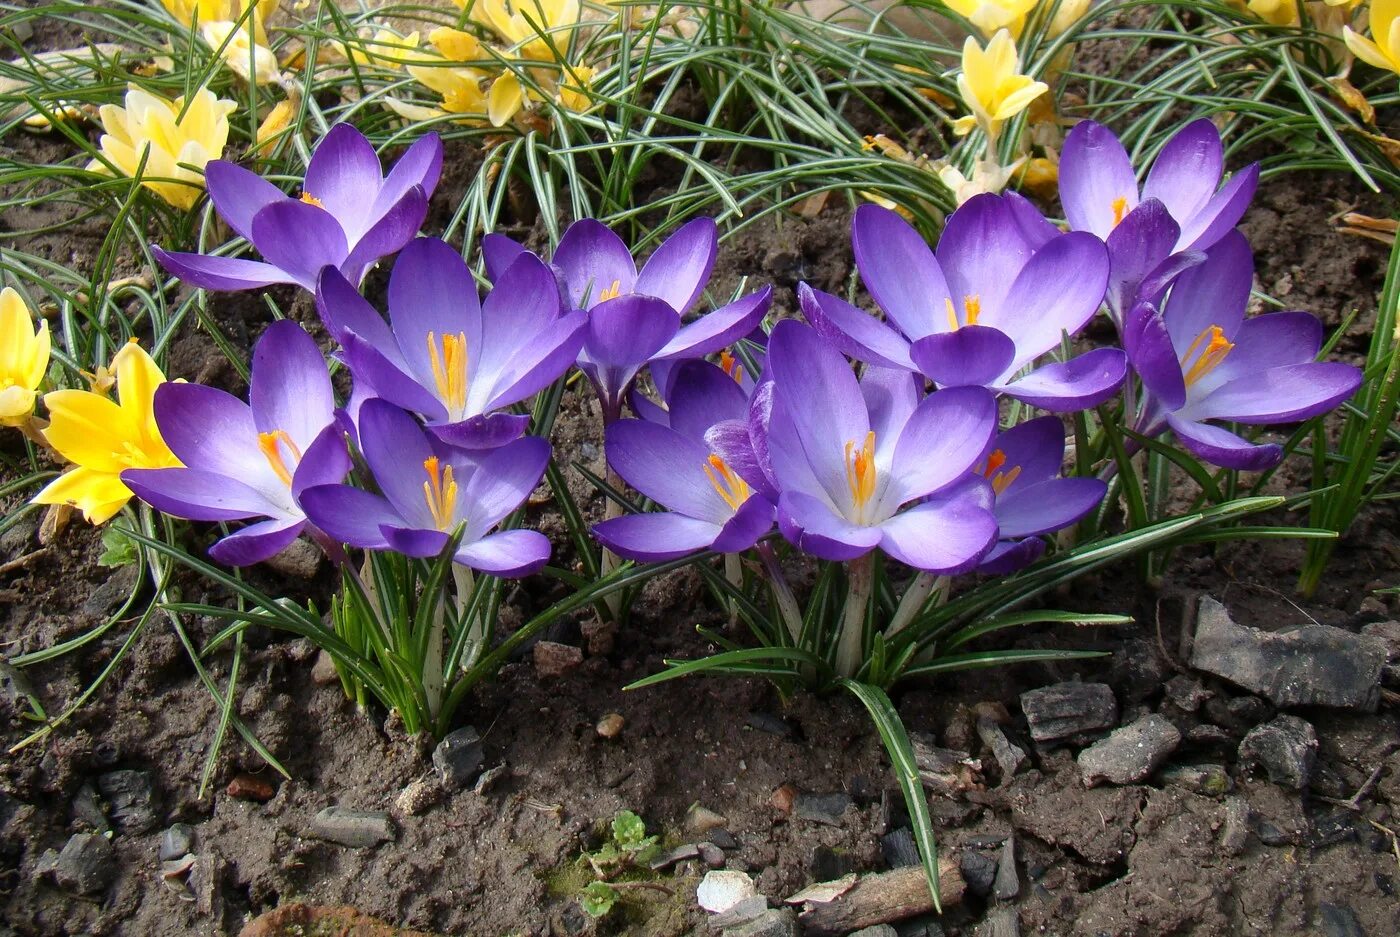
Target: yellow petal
{"points": [[1364, 49], [16, 404], [18, 342], [137, 380], [505, 99], [99, 495], [89, 429], [456, 45], [1018, 100]]}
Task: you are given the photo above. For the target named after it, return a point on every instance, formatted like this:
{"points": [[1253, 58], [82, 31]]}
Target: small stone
{"points": [[1186, 693], [712, 855], [1234, 832], [776, 922], [86, 865], [113, 591], [176, 842], [489, 779], [701, 819], [357, 829], [457, 759], [723, 839], [1008, 880], [205, 876], [1010, 756], [1315, 665], [1001, 921], [1208, 780], [979, 871], [301, 559], [131, 798], [1285, 748], [721, 890], [822, 808], [610, 726], [418, 797], [1333, 827], [898, 848], [741, 913], [246, 786], [600, 637], [679, 854], [875, 930], [1206, 735], [1338, 920], [323, 672], [1069, 710], [945, 771], [1131, 753], [555, 660], [87, 810], [770, 723], [1238, 714], [783, 799]]}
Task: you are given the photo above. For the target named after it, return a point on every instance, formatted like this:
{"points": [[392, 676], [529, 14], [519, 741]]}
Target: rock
{"points": [[87, 810], [723, 838], [246, 786], [458, 758], [357, 829], [1238, 714], [86, 865], [1338, 920], [1285, 748], [113, 591], [1234, 832], [741, 913], [419, 796], [679, 854], [301, 559], [1069, 710], [610, 726], [1001, 921], [205, 876], [979, 870], [711, 855], [898, 848], [776, 922], [176, 842], [701, 819], [1208, 780], [944, 771], [783, 798], [555, 660], [822, 808], [323, 672], [1186, 693], [721, 890], [770, 723], [876, 930], [1315, 665], [1008, 880], [131, 799], [1131, 753], [489, 779], [1389, 632], [1010, 756]]}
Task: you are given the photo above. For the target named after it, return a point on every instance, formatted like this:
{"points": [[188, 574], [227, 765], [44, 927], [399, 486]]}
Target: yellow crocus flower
{"points": [[1383, 49], [240, 51], [188, 12], [179, 146], [992, 86], [103, 438], [512, 21], [24, 358], [988, 16]]}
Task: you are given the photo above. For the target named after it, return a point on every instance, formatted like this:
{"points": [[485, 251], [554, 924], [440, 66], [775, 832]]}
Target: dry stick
{"points": [[881, 898]]}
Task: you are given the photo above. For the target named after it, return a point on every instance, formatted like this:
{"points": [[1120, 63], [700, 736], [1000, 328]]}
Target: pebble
{"points": [[301, 559], [770, 723], [1234, 832], [1207, 779], [245, 786], [176, 842], [679, 854], [489, 779], [876, 930], [86, 865], [1010, 757], [1131, 753], [777, 922], [1238, 714], [741, 913], [783, 798], [1008, 880], [87, 809], [898, 848], [115, 590], [1069, 710], [610, 726], [357, 829], [711, 855], [131, 799], [944, 771], [701, 819], [1285, 748], [555, 660], [458, 758], [979, 871], [721, 890], [1186, 693], [1315, 665], [1002, 921], [723, 838], [323, 672], [418, 797], [822, 808]]}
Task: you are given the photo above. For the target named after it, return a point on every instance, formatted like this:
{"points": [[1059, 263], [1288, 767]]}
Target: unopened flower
{"points": [[992, 86], [244, 57], [104, 438], [1383, 48], [385, 48], [989, 16], [24, 358], [348, 216], [175, 148], [429, 491], [1200, 359], [247, 460]]}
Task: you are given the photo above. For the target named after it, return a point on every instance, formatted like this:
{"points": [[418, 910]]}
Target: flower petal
{"points": [[350, 515], [1214, 293], [509, 554], [300, 239], [325, 462], [343, 309], [945, 536], [657, 537], [499, 252], [1076, 384], [374, 372], [982, 253], [899, 270], [1049, 505], [1056, 292], [1136, 248], [1222, 447], [1148, 345], [483, 432], [720, 327], [1187, 170], [667, 467], [1222, 212], [502, 482], [750, 524], [946, 435], [679, 269], [220, 273], [972, 355], [420, 166], [211, 430], [1009, 556], [1284, 394], [344, 176], [813, 527], [239, 194], [853, 331], [257, 542], [1095, 172], [290, 389], [395, 448], [703, 395], [198, 495], [593, 258], [397, 227], [1035, 447], [431, 292]]}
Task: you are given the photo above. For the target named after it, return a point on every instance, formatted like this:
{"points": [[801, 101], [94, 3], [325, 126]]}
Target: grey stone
{"points": [[1008, 880], [711, 855], [458, 758], [1207, 779], [679, 854], [132, 800], [419, 796], [721, 890], [979, 871], [301, 559], [490, 778], [323, 672], [14, 685], [1316, 665], [1234, 831], [1010, 756], [877, 930], [723, 838], [822, 808], [776, 922], [898, 848], [701, 819], [1285, 748], [357, 829], [86, 864], [1238, 714], [115, 590], [1001, 921], [741, 913], [87, 809], [176, 842], [944, 771], [1131, 753], [1069, 710], [1338, 920], [772, 724], [1186, 693]]}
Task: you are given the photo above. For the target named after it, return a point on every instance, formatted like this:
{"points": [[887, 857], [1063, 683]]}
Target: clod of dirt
{"points": [[1285, 748], [1131, 753], [357, 829], [132, 800]]}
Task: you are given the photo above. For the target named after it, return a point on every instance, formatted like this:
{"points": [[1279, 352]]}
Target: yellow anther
{"points": [[1120, 208], [1000, 480], [733, 489], [310, 199], [611, 292], [972, 309], [271, 445], [1216, 348], [449, 362], [440, 493], [860, 471], [731, 366]]}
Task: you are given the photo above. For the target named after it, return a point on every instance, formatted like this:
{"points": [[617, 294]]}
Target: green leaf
{"points": [[118, 547], [598, 898], [628, 830]]}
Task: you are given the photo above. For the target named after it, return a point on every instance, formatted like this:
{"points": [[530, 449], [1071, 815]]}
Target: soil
{"points": [[1146, 859]]}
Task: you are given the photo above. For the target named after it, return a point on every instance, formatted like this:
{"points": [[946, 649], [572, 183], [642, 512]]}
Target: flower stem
{"points": [[782, 593], [476, 628], [850, 649], [915, 597], [610, 560]]}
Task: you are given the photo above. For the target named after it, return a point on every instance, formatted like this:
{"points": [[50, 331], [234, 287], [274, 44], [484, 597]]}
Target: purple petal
{"points": [[197, 495], [647, 409], [220, 273], [730, 440], [350, 515], [981, 251], [1222, 447], [1214, 293], [1187, 170], [1009, 556], [1284, 394], [656, 538], [948, 434], [1270, 341], [1057, 292], [344, 176], [325, 462], [343, 309], [622, 335], [1034, 228], [679, 269], [525, 344], [1036, 447], [503, 481], [257, 542], [891, 395], [300, 239], [1137, 248], [593, 258], [1048, 505], [415, 541], [398, 226], [239, 194], [290, 389], [750, 524], [667, 467], [509, 554], [395, 449], [420, 166], [1095, 172], [854, 332], [899, 270], [719, 328], [499, 252], [1076, 384], [1149, 348], [542, 362], [209, 429], [974, 354], [940, 536], [813, 527], [487, 431], [703, 395], [1222, 212], [431, 292], [375, 372]]}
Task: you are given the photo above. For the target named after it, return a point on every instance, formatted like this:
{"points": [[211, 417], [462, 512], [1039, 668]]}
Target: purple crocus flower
{"points": [[348, 216], [429, 490], [1154, 234], [253, 459], [447, 356], [998, 294], [668, 460], [1200, 359], [866, 465], [635, 317]]}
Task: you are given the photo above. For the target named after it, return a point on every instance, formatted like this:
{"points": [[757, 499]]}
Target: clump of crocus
{"points": [[237, 28], [994, 90], [174, 141], [348, 215], [24, 359], [103, 438], [249, 460], [1200, 359]]}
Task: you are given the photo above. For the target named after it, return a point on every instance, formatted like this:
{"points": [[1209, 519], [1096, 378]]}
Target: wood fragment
{"points": [[881, 898]]}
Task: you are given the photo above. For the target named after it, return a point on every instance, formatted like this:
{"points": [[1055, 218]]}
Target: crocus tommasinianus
{"points": [[348, 216], [1200, 359], [711, 505], [429, 490], [1154, 234], [635, 317], [245, 460], [866, 464], [997, 295], [453, 359]]}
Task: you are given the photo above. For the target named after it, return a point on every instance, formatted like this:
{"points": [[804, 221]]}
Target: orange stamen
{"points": [[270, 445], [731, 366], [861, 474], [972, 309], [449, 362], [733, 489], [1120, 208], [1217, 347], [440, 493], [310, 199]]}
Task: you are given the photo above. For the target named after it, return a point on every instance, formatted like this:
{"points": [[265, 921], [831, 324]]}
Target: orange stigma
{"points": [[1000, 480], [1216, 348], [440, 493], [271, 446], [731, 366], [1120, 208], [733, 489], [449, 362], [972, 309], [861, 473], [310, 199]]}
